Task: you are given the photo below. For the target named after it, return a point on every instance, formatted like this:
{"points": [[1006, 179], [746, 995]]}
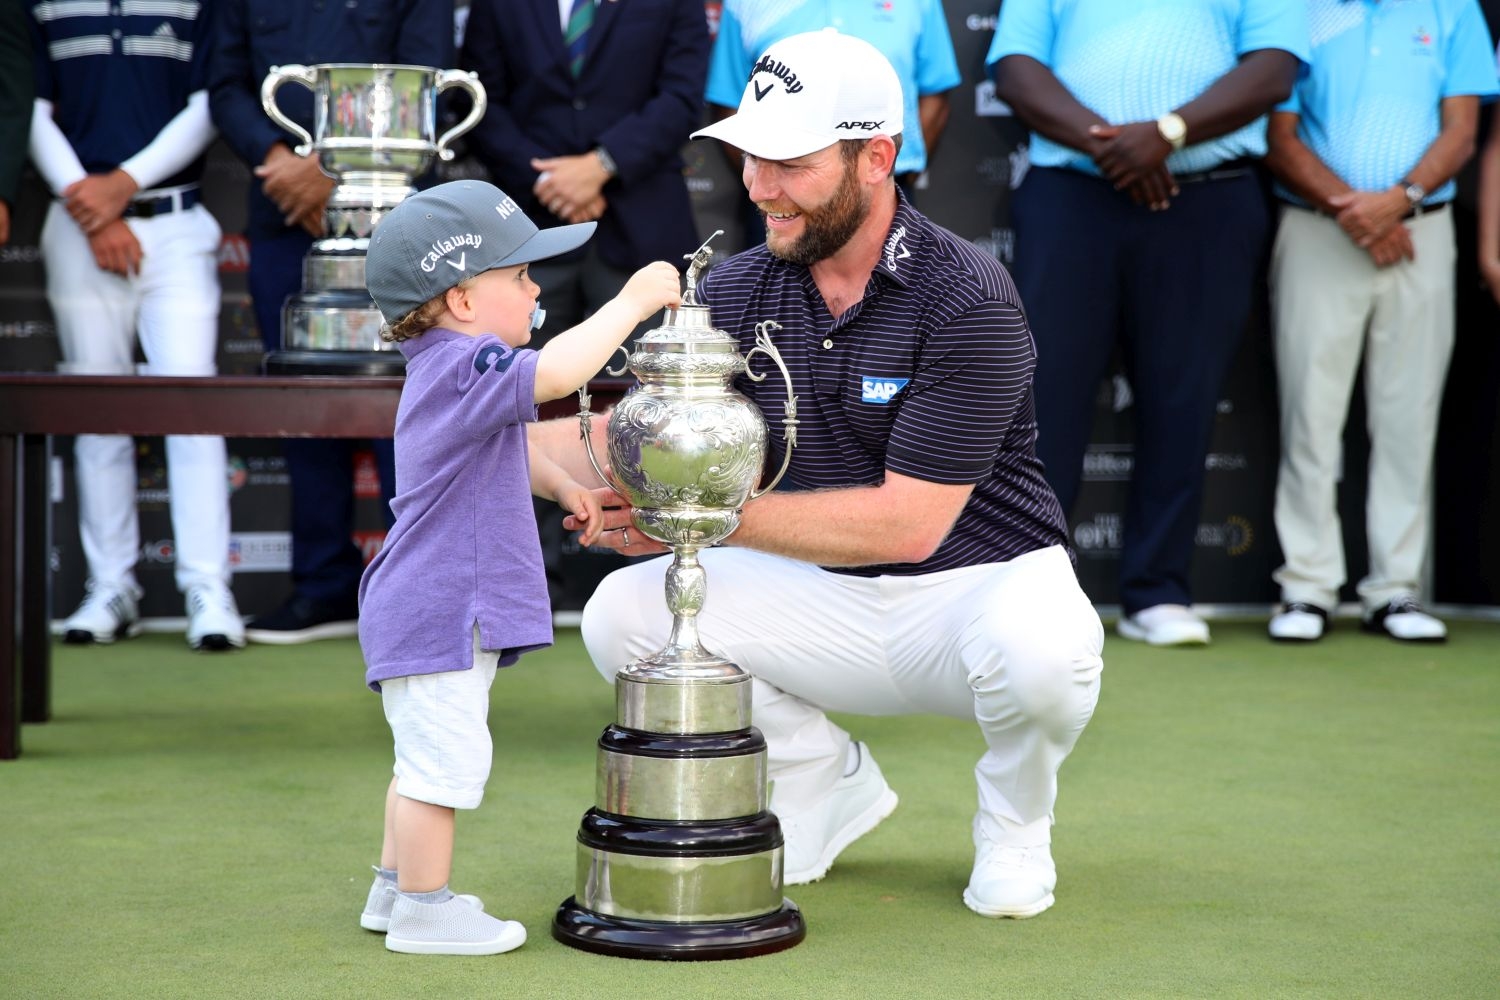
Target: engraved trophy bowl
{"points": [[374, 132], [679, 858]]}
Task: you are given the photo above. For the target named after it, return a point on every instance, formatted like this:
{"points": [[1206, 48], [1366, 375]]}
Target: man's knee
{"points": [[1048, 674], [620, 621]]}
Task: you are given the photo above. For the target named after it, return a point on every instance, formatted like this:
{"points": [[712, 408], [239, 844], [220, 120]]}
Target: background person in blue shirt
{"points": [[286, 215], [1141, 225], [1365, 153], [912, 34]]}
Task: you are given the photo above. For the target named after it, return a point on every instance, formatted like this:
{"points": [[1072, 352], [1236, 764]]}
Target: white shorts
{"points": [[440, 722]]}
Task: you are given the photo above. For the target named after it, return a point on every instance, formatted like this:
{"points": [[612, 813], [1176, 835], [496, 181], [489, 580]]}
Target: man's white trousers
{"points": [[1013, 646]]}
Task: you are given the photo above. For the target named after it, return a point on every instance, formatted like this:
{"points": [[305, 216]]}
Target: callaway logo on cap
{"points": [[449, 233], [807, 92]]}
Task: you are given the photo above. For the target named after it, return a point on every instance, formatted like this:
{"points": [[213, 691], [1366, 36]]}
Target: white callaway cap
{"points": [[438, 237], [809, 91]]}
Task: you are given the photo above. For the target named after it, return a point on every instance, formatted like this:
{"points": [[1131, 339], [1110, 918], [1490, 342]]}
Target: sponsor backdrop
{"points": [[968, 188]]}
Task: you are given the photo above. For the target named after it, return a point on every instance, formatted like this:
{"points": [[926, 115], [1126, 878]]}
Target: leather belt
{"points": [[150, 207], [1223, 172]]}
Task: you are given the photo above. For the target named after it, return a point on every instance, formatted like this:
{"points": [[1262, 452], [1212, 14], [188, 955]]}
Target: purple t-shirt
{"points": [[464, 549]]}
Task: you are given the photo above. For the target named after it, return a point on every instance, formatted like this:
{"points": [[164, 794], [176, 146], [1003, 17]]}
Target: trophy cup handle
{"points": [[448, 79], [585, 432], [763, 345], [305, 75]]}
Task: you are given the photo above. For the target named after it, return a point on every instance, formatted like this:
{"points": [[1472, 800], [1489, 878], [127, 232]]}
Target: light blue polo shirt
{"points": [[1370, 105], [1135, 60], [913, 34]]}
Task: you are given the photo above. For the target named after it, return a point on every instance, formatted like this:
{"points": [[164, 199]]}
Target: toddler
{"points": [[458, 588]]}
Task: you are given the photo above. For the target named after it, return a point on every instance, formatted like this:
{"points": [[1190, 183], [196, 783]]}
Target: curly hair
{"points": [[420, 319]]}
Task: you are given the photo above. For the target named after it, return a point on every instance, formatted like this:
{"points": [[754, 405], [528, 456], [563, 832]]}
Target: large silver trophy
{"points": [[374, 127], [679, 858]]}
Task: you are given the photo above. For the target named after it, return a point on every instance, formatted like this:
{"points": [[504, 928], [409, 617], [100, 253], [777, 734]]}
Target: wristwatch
{"points": [[606, 161], [1173, 129], [1415, 193]]}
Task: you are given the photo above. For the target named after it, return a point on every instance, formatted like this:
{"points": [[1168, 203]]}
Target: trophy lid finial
{"points": [[698, 263]]}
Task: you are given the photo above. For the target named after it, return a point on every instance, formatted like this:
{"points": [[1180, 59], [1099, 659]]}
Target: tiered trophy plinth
{"points": [[331, 327], [374, 127], [679, 857]]}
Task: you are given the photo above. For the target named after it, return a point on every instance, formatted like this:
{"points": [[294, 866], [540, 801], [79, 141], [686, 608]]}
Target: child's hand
{"points": [[651, 288], [586, 509]]}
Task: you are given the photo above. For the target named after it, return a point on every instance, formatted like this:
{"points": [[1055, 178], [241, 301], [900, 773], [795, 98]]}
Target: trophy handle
{"points": [[585, 432], [763, 345], [305, 75], [448, 79]]}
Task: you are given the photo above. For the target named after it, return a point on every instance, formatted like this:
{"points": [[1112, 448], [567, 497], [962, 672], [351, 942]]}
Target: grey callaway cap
{"points": [[439, 237]]}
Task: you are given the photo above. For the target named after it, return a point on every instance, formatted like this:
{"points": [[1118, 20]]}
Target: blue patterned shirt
{"points": [[1370, 107], [1136, 60], [913, 35]]}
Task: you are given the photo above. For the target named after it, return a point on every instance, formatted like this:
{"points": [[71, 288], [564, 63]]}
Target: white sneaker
{"points": [[1298, 621], [1010, 881], [106, 614], [452, 927], [376, 915], [1165, 625], [1403, 618], [814, 837], [214, 621]]}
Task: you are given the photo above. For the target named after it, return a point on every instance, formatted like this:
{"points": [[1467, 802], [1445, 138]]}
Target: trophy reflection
{"points": [[679, 857]]}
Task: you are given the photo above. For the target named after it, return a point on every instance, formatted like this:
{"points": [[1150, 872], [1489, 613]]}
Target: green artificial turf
{"points": [[1246, 820]]}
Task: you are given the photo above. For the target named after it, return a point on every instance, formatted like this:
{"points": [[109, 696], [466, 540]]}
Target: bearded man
{"points": [[914, 559]]}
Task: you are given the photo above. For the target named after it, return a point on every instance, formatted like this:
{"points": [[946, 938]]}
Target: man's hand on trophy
{"points": [[615, 528]]}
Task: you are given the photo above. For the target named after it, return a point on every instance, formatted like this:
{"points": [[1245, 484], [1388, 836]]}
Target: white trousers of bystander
{"points": [[172, 305]]}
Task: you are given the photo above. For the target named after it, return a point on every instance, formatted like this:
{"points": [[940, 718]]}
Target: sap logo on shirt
{"points": [[880, 390], [497, 356]]}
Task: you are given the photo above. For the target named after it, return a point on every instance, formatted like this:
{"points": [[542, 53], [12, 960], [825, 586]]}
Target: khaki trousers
{"points": [[1330, 305]]}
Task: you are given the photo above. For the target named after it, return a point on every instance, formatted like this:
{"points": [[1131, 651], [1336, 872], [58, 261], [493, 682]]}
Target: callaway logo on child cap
{"points": [[809, 91], [446, 234]]}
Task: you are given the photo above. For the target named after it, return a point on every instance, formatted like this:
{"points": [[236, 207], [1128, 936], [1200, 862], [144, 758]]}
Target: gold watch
{"points": [[1172, 128]]}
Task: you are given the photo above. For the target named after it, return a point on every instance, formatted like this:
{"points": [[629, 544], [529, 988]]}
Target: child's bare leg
{"points": [[424, 845], [388, 845]]}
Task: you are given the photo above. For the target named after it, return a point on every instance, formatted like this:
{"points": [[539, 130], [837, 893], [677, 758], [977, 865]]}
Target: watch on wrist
{"points": [[1415, 193], [606, 161], [1173, 129]]}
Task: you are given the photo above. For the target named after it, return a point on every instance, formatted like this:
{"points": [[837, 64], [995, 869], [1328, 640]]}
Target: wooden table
{"points": [[33, 407]]}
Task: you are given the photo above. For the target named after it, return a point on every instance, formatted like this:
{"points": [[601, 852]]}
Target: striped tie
{"points": [[577, 33]]}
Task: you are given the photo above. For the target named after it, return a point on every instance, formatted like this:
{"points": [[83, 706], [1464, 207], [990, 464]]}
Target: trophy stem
{"points": [[687, 586]]}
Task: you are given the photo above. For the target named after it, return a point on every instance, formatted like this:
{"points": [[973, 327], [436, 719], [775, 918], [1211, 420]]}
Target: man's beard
{"points": [[828, 227]]}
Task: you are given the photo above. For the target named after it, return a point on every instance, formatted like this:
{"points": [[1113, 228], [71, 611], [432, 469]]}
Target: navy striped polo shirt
{"points": [[117, 71], [929, 375]]}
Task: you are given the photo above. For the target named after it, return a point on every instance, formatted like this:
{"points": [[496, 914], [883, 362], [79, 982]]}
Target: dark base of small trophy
{"points": [[674, 942], [345, 363]]}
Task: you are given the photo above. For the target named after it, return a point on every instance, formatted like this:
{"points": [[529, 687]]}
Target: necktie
{"points": [[577, 34]]}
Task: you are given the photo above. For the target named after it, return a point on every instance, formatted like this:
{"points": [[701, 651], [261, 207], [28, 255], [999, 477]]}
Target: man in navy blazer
{"points": [[603, 144]]}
